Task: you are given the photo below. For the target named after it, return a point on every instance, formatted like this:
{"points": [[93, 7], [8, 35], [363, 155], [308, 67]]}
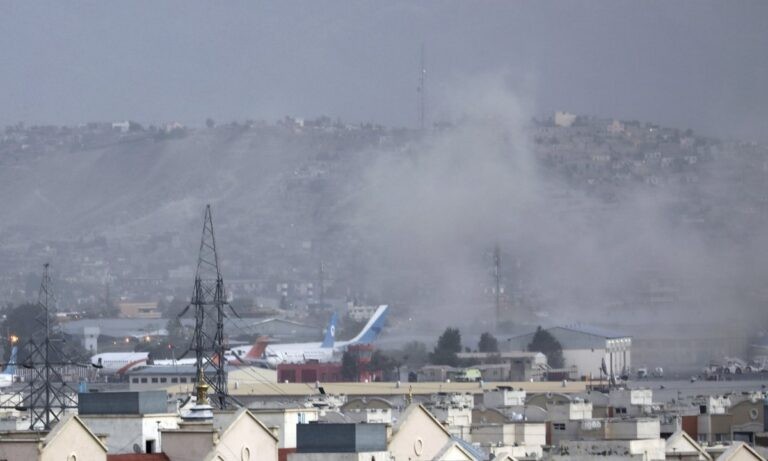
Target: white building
{"points": [[586, 348]]}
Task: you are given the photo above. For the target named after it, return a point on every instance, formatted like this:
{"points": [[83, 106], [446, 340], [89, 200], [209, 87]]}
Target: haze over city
{"points": [[455, 230]]}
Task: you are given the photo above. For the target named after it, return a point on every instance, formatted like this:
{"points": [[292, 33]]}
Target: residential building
{"points": [[341, 442], [228, 436], [70, 440], [132, 421]]}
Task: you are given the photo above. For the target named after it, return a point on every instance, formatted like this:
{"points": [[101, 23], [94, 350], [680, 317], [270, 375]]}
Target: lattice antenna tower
{"points": [[210, 301], [321, 283], [422, 91], [49, 396], [497, 281]]}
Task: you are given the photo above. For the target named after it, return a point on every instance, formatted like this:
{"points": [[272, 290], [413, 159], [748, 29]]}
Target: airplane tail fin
{"points": [[11, 368], [330, 332], [257, 351], [374, 326]]}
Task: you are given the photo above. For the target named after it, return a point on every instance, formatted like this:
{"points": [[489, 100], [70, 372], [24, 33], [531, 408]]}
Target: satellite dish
{"points": [[136, 448]]}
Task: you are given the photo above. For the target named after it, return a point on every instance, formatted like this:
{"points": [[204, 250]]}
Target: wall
{"points": [[369, 456], [123, 431], [418, 430], [18, 450], [178, 445], [245, 433], [286, 421], [72, 439]]}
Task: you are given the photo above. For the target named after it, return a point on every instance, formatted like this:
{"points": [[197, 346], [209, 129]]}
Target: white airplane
{"points": [[119, 362], [6, 377], [325, 351]]}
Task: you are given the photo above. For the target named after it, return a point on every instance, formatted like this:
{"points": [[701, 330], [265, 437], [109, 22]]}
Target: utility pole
{"points": [[422, 90], [209, 300]]}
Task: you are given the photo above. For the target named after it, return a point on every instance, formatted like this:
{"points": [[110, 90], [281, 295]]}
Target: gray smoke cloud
{"points": [[431, 213]]}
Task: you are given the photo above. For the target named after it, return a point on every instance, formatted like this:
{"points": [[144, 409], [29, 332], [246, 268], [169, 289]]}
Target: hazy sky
{"points": [[692, 64]]}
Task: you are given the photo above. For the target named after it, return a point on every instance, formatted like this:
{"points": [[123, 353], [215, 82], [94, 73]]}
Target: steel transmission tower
{"points": [[209, 301], [49, 396]]}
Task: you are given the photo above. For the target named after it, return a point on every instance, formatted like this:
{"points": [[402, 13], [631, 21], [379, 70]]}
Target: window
{"points": [[702, 409], [135, 380], [621, 411], [163, 379], [558, 426], [174, 380], [154, 380], [143, 380], [182, 379]]}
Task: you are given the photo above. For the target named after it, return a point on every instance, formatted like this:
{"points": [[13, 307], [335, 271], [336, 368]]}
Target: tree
{"points": [[488, 343], [210, 123], [24, 322], [384, 363], [350, 370], [414, 354], [448, 345], [545, 343]]}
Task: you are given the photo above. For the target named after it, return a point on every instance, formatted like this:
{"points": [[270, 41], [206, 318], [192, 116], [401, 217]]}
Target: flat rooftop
{"points": [[388, 388]]}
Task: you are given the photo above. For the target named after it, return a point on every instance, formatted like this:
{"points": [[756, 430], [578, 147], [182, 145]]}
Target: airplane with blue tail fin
{"points": [[325, 351]]}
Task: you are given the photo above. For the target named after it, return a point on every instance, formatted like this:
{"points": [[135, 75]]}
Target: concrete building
{"points": [[341, 442], [681, 446], [586, 348], [285, 420], [630, 402], [454, 411], [147, 310], [739, 451], [70, 440], [418, 436], [509, 366], [368, 410], [615, 438], [519, 439], [132, 421], [564, 119], [229, 436]]}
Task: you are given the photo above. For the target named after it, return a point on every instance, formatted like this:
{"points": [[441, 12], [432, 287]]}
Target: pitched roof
{"points": [[595, 331], [682, 435], [226, 425], [410, 410], [455, 443], [71, 419], [736, 448], [471, 449]]}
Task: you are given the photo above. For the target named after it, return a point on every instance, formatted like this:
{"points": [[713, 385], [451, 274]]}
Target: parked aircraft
{"points": [[275, 354]]}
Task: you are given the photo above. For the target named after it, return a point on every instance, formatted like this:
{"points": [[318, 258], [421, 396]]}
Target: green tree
{"points": [[488, 343], [447, 348], [545, 343], [350, 370]]}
